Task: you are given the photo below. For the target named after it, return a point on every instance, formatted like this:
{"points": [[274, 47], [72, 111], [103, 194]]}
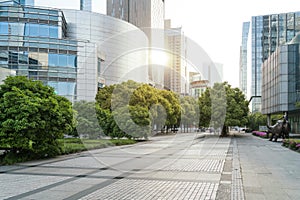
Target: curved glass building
{"points": [[74, 51]]}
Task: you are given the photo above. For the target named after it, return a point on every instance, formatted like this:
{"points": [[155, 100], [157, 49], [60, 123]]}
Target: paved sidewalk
{"points": [[182, 166], [269, 171]]}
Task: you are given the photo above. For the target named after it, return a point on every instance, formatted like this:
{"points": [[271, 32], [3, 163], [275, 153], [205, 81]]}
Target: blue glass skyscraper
{"points": [[268, 33], [243, 58]]}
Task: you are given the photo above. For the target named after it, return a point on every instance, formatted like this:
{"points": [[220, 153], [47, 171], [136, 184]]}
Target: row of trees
{"points": [[134, 110], [33, 117]]}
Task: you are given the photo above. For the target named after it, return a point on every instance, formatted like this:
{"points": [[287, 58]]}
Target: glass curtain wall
{"points": [[33, 44]]}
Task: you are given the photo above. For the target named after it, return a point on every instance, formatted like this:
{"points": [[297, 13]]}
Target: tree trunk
{"points": [[224, 131]]}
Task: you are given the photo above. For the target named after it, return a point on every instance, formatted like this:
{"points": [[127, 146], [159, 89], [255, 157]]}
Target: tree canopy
{"points": [[32, 116], [223, 106], [136, 109]]}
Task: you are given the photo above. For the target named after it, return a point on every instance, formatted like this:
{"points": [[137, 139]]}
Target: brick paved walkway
{"points": [[168, 167]]}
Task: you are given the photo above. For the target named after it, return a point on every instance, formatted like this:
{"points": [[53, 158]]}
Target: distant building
{"points": [[281, 83], [176, 75], [86, 5], [243, 59], [197, 85], [268, 33], [141, 13]]}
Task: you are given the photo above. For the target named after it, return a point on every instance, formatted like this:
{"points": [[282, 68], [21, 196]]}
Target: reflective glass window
{"points": [[4, 28], [54, 18], [15, 29], [71, 61], [63, 88], [63, 60], [3, 58], [44, 31], [53, 59], [23, 58], [53, 31], [32, 30]]}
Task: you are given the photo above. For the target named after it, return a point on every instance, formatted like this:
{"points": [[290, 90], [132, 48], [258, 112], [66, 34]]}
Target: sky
{"points": [[215, 25]]}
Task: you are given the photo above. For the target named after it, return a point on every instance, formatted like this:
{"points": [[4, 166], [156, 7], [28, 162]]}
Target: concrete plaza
{"points": [[181, 166]]}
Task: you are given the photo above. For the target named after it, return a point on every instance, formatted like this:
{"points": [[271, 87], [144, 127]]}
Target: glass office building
{"points": [[281, 83], [17, 2], [268, 33], [75, 52], [33, 43], [243, 58]]}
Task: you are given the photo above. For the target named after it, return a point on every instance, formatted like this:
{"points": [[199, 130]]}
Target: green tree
{"points": [[225, 106], [134, 109], [33, 117], [204, 108], [189, 112], [171, 103], [255, 120], [87, 122]]}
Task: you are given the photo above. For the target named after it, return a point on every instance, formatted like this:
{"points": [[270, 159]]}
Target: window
{"points": [[44, 31], [53, 60], [63, 60], [53, 31], [4, 28], [72, 61]]}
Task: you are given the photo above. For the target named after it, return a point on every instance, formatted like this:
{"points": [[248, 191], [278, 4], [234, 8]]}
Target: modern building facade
{"points": [[115, 42], [17, 2], [141, 13], [73, 51], [33, 43], [147, 15], [268, 33], [175, 76], [281, 83], [243, 59]]}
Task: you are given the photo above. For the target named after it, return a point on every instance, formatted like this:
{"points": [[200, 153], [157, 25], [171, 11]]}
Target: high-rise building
{"points": [[175, 76], [141, 13], [268, 33], [148, 15], [86, 5], [243, 58]]}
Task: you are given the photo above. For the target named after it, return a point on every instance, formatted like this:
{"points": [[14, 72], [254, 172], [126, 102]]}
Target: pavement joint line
{"points": [[68, 157], [237, 190], [95, 187], [76, 155], [171, 179]]}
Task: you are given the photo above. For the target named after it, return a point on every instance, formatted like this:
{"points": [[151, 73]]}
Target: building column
{"points": [[269, 119]]}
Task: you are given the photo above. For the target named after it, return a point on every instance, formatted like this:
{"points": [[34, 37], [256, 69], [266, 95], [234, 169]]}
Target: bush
{"points": [[293, 144]]}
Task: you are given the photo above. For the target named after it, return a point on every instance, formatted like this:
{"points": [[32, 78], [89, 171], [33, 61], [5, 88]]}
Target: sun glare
{"points": [[158, 57]]}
